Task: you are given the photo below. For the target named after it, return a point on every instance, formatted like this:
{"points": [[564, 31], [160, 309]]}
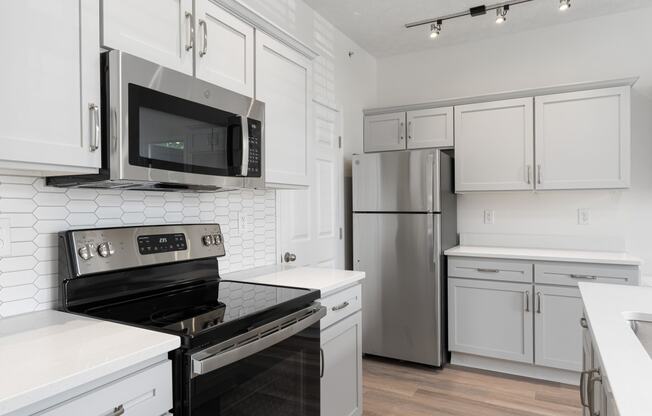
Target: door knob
{"points": [[288, 257]]}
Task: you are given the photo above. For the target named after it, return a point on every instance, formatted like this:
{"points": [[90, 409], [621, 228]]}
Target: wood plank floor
{"points": [[392, 388]]}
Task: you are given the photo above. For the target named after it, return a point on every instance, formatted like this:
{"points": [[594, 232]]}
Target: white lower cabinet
{"points": [[145, 393], [341, 349], [492, 319], [558, 341]]}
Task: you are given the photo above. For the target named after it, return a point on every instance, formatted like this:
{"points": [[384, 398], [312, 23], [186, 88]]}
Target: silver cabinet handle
{"points": [[118, 411], [590, 391], [204, 48], [539, 174], [401, 136], [527, 301], [583, 322], [409, 130], [340, 306], [488, 270], [190, 31], [538, 302], [322, 362], [583, 276], [289, 257], [584, 376], [529, 174], [95, 126]]}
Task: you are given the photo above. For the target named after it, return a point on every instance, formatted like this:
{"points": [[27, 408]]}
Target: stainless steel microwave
{"points": [[165, 130]]}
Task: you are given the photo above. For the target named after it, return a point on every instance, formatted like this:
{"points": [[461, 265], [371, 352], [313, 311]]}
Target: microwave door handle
{"points": [[244, 167]]}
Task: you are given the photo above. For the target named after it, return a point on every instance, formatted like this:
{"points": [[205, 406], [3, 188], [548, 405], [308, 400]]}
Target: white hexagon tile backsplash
{"points": [[28, 278]]}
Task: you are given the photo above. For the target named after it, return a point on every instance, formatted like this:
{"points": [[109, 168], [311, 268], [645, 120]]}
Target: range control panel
{"points": [[108, 249]]}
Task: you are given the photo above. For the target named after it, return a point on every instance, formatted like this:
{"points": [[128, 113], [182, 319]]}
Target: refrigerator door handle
{"points": [[436, 226], [432, 181]]}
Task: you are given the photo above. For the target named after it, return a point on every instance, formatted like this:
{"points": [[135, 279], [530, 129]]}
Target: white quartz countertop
{"points": [[326, 280], [578, 256], [43, 354], [625, 362]]}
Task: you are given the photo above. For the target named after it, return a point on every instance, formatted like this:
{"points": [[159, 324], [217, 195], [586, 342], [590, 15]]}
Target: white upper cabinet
{"points": [[384, 132], [224, 52], [284, 84], [432, 127], [50, 83], [160, 31], [494, 146], [583, 139]]}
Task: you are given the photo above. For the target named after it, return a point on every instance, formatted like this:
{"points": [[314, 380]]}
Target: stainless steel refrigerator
{"points": [[404, 217]]}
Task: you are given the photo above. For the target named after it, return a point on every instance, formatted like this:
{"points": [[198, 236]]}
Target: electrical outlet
{"points": [[5, 237], [583, 216], [245, 223], [489, 216]]}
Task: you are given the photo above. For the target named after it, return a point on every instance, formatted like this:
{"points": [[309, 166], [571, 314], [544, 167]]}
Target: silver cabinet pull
{"points": [[539, 174], [340, 306], [409, 130], [401, 127], [95, 126], [118, 411], [488, 270], [590, 391], [322, 362], [583, 276], [289, 257], [204, 49], [538, 302], [529, 174], [583, 322], [527, 301], [586, 374], [190, 31]]}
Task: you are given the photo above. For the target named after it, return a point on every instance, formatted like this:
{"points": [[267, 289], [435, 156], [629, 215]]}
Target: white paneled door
{"points": [[310, 220]]}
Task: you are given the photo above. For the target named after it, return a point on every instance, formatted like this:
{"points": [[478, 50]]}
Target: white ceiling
{"points": [[378, 25]]}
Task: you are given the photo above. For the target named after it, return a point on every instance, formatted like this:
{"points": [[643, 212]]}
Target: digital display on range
{"points": [[161, 243]]}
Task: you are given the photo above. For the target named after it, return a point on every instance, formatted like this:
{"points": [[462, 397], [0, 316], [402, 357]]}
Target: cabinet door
{"points": [[491, 319], [341, 384], [384, 132], [160, 31], [284, 84], [494, 146], [558, 335], [430, 128], [583, 139], [225, 49], [50, 81]]}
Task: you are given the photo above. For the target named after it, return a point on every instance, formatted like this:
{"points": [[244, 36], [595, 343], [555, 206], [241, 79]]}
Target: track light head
{"points": [[435, 29], [501, 14], [564, 5]]}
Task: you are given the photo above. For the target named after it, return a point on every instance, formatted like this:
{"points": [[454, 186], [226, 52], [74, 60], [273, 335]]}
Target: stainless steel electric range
{"points": [[246, 349]]}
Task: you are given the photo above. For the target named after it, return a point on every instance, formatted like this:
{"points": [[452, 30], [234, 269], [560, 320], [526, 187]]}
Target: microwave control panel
{"points": [[255, 148]]}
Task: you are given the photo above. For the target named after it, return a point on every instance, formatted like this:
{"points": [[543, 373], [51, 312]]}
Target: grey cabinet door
{"points": [[491, 319], [384, 132], [558, 340], [341, 384]]}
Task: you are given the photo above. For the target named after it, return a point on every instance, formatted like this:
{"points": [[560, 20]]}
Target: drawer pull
{"points": [[538, 302], [527, 301], [488, 270], [118, 411], [583, 276], [583, 323], [340, 306]]}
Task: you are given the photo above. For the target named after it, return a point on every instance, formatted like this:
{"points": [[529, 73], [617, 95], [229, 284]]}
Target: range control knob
{"points": [[217, 239], [207, 240], [87, 251], [105, 249]]}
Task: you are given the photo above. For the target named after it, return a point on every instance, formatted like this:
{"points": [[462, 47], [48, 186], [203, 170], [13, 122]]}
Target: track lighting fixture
{"points": [[501, 14], [564, 5], [435, 29]]}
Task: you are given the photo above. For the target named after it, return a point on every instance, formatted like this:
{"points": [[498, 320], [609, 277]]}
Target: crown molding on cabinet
{"points": [[506, 95], [261, 23]]}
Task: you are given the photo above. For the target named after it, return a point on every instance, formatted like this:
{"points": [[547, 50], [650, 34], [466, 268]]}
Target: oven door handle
{"points": [[254, 341], [244, 129]]}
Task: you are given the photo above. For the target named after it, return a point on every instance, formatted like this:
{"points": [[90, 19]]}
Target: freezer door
{"points": [[405, 181], [401, 294]]}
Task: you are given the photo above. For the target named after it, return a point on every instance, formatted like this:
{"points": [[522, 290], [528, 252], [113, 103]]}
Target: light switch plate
{"points": [[583, 216], [5, 237], [489, 216]]}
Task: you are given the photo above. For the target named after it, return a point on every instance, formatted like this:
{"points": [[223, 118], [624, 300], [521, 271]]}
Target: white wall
{"points": [[602, 48], [343, 82]]}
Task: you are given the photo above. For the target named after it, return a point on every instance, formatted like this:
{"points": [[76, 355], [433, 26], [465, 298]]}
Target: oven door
{"points": [[273, 370], [170, 127]]}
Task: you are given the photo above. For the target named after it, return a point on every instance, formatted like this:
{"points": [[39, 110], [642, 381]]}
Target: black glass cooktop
{"points": [[214, 309]]}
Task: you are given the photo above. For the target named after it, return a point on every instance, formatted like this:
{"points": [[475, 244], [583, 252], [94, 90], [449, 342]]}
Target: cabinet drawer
{"points": [[146, 393], [490, 269], [340, 305], [570, 274]]}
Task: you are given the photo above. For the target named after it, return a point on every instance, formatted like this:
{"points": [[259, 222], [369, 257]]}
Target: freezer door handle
{"points": [[436, 224], [432, 181]]}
